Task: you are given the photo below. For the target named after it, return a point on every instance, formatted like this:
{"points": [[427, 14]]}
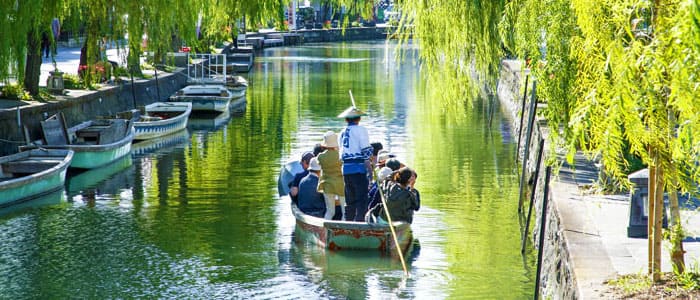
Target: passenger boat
{"points": [[207, 97], [161, 118], [345, 235], [342, 235], [95, 143], [32, 173]]}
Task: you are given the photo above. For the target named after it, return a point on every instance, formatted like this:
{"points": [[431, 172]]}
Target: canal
{"points": [[197, 216]]}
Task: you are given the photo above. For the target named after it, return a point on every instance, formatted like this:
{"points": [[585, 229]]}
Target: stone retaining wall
{"points": [[558, 280], [79, 106], [337, 35]]}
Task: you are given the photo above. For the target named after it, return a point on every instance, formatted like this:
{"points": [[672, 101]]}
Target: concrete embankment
{"points": [[81, 105]]}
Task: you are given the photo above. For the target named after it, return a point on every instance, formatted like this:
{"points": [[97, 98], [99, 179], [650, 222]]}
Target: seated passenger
{"points": [[394, 164], [375, 198], [401, 198], [310, 200], [294, 185]]}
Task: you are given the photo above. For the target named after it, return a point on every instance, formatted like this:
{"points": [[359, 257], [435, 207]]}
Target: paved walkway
{"points": [[596, 231], [68, 59]]}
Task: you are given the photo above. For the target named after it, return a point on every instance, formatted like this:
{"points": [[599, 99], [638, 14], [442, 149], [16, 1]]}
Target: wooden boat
{"points": [[344, 235], [236, 82], [32, 173], [162, 118], [207, 97], [95, 143], [208, 122]]}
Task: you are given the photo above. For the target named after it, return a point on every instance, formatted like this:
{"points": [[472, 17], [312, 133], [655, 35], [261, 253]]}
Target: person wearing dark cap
{"points": [[355, 152], [294, 185], [394, 164], [318, 148]]}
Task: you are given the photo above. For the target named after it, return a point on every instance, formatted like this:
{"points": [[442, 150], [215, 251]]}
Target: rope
{"points": [[12, 142]]}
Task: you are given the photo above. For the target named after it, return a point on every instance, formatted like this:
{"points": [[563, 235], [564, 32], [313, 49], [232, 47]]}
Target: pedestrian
{"points": [[45, 44], [56, 30], [331, 182], [355, 152]]}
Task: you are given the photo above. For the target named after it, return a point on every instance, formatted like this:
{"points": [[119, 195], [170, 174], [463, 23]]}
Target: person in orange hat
{"points": [[355, 152]]}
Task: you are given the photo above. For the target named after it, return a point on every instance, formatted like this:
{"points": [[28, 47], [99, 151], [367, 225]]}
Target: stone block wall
{"points": [[558, 280]]}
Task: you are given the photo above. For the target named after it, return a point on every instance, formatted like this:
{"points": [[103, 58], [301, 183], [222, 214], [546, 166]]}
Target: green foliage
{"points": [[631, 284], [73, 82], [690, 279], [15, 92], [460, 44], [120, 71]]}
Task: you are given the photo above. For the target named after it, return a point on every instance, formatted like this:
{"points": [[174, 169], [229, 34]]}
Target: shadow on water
{"points": [[107, 181], [350, 274]]}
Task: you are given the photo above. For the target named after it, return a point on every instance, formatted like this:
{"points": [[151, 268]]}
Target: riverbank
{"points": [[80, 105], [586, 240]]}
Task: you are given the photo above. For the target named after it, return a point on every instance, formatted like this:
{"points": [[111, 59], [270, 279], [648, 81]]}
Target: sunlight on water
{"points": [[197, 216]]}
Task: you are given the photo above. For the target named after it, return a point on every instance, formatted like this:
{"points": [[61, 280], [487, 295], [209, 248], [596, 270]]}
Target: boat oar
{"points": [[352, 98], [391, 227]]}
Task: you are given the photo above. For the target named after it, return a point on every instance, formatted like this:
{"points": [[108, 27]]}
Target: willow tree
{"points": [[22, 26], [619, 76], [221, 18], [460, 42]]}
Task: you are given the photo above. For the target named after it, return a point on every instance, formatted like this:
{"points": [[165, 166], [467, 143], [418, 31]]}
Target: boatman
{"points": [[355, 151]]}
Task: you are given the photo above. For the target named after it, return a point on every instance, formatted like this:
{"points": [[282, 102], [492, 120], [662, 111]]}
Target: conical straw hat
{"points": [[351, 112]]}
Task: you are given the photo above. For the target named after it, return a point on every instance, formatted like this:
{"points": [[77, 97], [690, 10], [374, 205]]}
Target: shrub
{"points": [[15, 91]]}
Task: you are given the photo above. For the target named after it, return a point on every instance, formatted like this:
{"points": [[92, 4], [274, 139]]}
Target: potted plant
{"points": [[55, 81]]}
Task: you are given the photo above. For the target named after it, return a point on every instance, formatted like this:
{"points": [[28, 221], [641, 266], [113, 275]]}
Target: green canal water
{"points": [[197, 216]]}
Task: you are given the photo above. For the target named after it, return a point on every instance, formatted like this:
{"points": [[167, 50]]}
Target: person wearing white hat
{"points": [[331, 183], [310, 201], [355, 151]]}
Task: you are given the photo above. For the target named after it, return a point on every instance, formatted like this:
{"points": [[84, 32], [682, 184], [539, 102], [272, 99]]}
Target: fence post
{"points": [[532, 195], [522, 116], [528, 136], [543, 223]]}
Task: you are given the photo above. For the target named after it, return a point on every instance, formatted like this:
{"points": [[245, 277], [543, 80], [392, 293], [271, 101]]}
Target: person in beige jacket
{"points": [[331, 183]]}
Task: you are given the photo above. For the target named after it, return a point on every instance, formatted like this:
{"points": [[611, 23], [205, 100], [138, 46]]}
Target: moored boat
{"points": [[32, 173], [344, 235], [95, 143], [162, 118], [207, 97]]}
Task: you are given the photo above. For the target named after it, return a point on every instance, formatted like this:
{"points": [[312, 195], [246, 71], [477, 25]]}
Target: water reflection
{"points": [[112, 181], [199, 216], [52, 198]]}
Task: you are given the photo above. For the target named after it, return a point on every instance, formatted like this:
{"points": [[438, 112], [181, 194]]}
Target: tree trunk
{"points": [[134, 59], [677, 252], [658, 218], [32, 70], [650, 218]]}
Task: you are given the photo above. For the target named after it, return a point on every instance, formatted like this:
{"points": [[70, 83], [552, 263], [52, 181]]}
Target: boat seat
{"points": [[147, 118], [27, 166]]}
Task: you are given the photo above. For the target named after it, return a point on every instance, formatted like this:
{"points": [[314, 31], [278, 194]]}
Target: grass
{"points": [[671, 286]]}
